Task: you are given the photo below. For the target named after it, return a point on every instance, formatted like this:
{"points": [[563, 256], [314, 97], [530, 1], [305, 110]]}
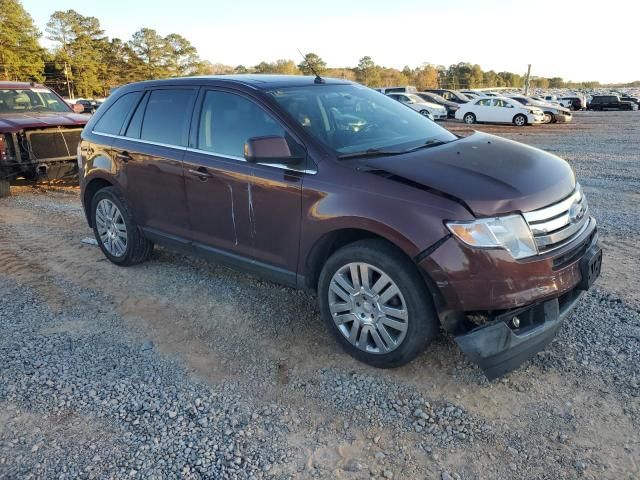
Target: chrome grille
{"points": [[558, 224]]}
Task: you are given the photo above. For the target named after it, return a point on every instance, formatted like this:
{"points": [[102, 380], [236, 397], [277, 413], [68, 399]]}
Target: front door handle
{"points": [[123, 156], [201, 173]]}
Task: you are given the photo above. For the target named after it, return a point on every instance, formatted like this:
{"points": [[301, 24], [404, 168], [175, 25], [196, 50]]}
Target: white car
{"points": [[553, 113], [499, 110], [428, 109]]}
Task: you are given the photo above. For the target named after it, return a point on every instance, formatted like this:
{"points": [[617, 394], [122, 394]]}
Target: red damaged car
{"points": [[39, 134]]}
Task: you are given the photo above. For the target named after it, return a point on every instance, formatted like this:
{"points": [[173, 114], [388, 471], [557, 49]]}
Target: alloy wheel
{"points": [[368, 308], [111, 227]]}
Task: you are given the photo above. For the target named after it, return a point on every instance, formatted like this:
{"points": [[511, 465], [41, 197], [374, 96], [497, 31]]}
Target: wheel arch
{"points": [[92, 187]]}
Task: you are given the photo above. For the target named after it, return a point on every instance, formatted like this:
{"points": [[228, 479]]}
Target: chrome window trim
{"points": [[280, 166]]}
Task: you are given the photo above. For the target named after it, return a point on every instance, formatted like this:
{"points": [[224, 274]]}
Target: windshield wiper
{"points": [[372, 152], [427, 144]]}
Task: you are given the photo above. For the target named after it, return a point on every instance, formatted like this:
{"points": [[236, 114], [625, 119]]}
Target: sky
{"points": [[576, 40]]}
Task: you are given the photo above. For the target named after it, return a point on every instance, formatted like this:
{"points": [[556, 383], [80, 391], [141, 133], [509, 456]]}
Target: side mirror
{"points": [[270, 149], [77, 108]]}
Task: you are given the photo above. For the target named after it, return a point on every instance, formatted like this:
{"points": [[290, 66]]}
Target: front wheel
{"points": [[548, 117], [469, 118], [424, 113], [118, 236], [376, 304], [519, 120]]}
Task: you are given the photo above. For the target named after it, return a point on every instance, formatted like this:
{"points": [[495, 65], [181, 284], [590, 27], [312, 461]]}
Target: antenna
{"points": [[318, 80]]}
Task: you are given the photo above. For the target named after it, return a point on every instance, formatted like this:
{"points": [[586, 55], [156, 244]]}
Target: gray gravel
{"points": [[142, 415]]}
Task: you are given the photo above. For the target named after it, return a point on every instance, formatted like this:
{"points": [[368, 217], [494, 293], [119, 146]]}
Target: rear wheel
{"points": [[376, 304], [5, 189], [519, 120], [118, 236], [469, 118]]}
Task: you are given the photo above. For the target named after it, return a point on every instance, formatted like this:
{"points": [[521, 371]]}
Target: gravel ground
{"points": [[181, 369]]}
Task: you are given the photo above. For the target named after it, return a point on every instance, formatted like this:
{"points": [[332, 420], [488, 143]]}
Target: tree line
{"points": [[84, 62]]}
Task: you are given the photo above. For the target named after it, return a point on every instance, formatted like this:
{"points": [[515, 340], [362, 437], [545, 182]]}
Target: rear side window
{"points": [[113, 119], [166, 118], [227, 121], [485, 102]]}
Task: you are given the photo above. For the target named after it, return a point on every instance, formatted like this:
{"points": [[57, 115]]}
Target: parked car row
{"points": [[472, 107]]}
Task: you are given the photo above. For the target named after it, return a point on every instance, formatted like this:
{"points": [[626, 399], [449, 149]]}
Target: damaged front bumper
{"points": [[40, 154], [517, 335]]}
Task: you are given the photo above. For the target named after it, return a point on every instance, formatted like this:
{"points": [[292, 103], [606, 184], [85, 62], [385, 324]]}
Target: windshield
{"points": [[353, 118], [22, 100]]}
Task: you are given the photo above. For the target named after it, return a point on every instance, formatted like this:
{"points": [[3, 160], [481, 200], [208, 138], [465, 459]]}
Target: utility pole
{"points": [[66, 75], [526, 81]]}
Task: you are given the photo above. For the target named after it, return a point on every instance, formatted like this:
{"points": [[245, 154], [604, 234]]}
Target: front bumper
{"points": [[535, 119], [563, 118], [475, 284], [499, 348], [515, 336]]}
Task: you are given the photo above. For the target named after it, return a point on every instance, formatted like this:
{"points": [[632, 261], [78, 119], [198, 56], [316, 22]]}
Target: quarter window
{"points": [[166, 118], [227, 121], [113, 119]]}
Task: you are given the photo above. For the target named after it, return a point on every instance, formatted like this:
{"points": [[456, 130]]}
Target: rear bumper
{"points": [[498, 348]]}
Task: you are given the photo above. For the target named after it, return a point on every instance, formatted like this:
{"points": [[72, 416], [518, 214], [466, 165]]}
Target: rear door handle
{"points": [[201, 173], [123, 156]]}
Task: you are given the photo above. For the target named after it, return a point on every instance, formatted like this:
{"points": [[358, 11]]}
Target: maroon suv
{"points": [[400, 226], [39, 133]]}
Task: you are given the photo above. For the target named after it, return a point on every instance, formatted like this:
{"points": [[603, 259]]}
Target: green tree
{"points": [[367, 72], [312, 62], [80, 45], [152, 52], [181, 57], [282, 67], [21, 57]]}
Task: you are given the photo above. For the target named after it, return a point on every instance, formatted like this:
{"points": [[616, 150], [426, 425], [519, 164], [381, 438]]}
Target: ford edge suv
{"points": [[401, 227]]}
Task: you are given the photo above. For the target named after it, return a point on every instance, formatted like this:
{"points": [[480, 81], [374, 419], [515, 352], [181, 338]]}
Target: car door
{"points": [[151, 149], [239, 208], [482, 110], [502, 111]]}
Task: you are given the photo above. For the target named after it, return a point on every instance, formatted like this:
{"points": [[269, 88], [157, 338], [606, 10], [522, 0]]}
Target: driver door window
{"points": [[228, 120]]}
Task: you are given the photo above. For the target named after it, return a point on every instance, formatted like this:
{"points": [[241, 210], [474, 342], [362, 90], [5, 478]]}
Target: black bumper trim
{"points": [[497, 349]]}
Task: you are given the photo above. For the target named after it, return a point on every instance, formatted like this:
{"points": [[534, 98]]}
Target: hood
{"points": [[12, 122], [491, 175]]}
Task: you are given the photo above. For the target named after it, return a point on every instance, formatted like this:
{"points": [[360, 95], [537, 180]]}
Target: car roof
{"points": [[255, 81], [21, 85]]}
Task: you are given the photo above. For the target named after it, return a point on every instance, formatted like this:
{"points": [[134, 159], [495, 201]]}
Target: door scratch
{"points": [[233, 215]]}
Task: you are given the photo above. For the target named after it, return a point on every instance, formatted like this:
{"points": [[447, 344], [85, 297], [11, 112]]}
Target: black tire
{"points": [[5, 189], [424, 112], [471, 118], [518, 118], [138, 248], [552, 117], [422, 323]]}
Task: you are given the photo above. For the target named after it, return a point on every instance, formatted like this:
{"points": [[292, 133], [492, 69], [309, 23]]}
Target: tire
{"points": [[519, 120], [549, 118], [5, 189], [424, 112], [469, 118], [136, 248], [420, 321]]}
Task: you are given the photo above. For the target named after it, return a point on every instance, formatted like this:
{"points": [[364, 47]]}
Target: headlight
{"points": [[511, 233]]}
